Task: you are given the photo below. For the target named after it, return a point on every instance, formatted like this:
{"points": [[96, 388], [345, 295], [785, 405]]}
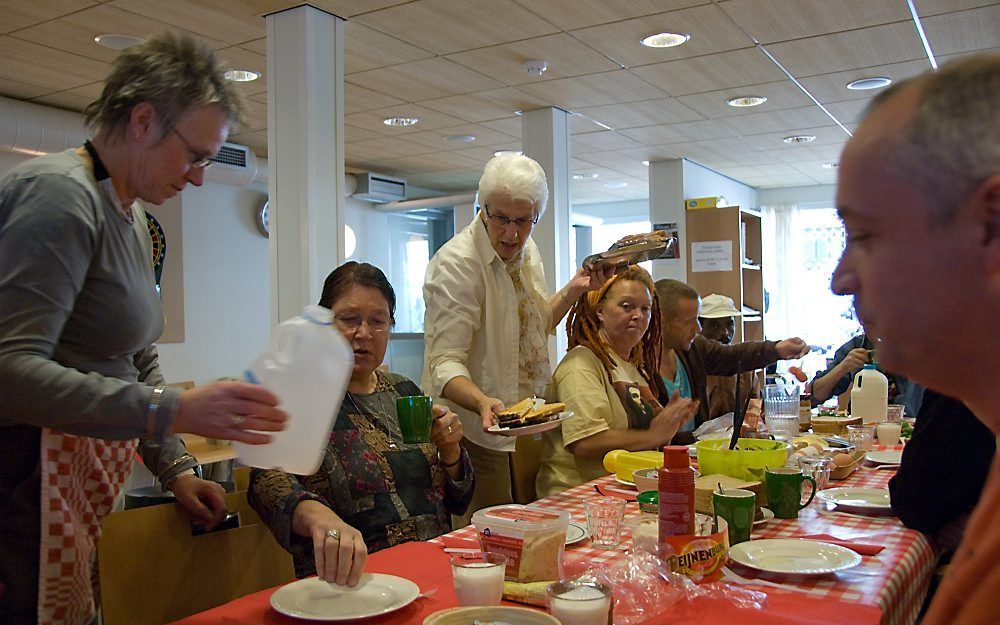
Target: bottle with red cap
{"points": [[676, 492]]}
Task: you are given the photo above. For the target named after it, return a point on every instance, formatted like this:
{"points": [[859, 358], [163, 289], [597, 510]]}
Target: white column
{"points": [[545, 138], [305, 139], [666, 204]]}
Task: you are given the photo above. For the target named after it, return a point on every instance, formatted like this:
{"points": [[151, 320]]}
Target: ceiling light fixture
{"points": [[459, 138], [584, 176], [743, 101], [117, 42], [664, 40], [646, 163], [400, 121], [832, 165], [503, 152], [799, 139], [241, 75], [518, 112], [615, 185], [535, 67], [876, 82]]}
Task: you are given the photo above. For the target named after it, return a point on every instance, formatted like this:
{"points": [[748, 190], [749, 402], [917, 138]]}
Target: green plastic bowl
{"points": [[748, 462]]}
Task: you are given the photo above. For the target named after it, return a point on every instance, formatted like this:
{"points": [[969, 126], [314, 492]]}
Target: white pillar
{"points": [[545, 138], [666, 204], [305, 144]]}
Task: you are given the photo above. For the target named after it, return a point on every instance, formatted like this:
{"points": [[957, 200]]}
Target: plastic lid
{"points": [[676, 457], [869, 366]]}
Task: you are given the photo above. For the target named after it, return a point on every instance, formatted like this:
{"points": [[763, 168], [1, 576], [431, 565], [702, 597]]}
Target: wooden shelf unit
{"points": [[744, 282]]}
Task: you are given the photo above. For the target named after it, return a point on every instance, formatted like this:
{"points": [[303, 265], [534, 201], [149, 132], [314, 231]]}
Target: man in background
{"points": [[718, 323], [919, 194]]}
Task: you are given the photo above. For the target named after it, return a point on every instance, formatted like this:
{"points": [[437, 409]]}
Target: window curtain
{"points": [[784, 267]]}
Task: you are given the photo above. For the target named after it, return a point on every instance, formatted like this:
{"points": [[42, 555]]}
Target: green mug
{"points": [[415, 418], [737, 506], [784, 491]]}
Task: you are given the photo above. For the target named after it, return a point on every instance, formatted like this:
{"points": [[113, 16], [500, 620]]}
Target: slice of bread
{"points": [[543, 413]]}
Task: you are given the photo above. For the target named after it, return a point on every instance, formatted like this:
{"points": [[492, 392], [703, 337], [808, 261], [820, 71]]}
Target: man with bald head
{"points": [[919, 194]]}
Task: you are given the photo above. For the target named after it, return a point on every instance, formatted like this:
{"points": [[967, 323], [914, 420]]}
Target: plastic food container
{"points": [[748, 462], [532, 538]]}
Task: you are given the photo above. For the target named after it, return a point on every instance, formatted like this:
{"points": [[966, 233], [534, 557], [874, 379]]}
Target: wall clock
{"points": [[264, 218]]}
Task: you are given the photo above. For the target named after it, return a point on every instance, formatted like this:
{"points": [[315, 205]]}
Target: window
{"points": [[413, 238]]}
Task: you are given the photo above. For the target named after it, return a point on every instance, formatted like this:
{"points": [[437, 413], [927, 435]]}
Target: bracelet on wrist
{"points": [[448, 465]]}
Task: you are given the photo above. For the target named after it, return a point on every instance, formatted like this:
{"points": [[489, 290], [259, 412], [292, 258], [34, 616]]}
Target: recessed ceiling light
{"points": [[746, 100], [799, 139], [518, 112], [615, 185], [869, 83], [584, 176], [241, 75], [502, 152], [833, 165], [117, 42], [400, 121], [646, 163], [459, 138], [664, 40]]}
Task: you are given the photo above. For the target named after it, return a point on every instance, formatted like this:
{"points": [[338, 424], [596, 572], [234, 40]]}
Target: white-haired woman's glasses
{"points": [[502, 221]]}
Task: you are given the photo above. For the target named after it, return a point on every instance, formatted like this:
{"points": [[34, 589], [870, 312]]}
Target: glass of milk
{"points": [[479, 577], [577, 602]]}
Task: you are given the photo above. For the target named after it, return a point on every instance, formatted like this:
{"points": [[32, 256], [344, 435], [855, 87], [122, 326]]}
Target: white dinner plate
{"points": [[575, 533], [530, 429], [315, 600], [793, 556], [863, 499], [625, 482], [888, 456], [766, 515]]}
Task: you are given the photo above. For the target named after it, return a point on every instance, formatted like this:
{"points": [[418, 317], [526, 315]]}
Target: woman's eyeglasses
{"points": [[502, 221], [198, 160], [351, 323]]}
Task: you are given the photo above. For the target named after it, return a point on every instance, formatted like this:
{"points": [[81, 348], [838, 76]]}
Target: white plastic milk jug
{"points": [[307, 364], [870, 395]]}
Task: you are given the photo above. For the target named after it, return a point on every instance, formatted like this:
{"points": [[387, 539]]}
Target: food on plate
{"points": [[632, 249], [516, 411], [532, 416]]}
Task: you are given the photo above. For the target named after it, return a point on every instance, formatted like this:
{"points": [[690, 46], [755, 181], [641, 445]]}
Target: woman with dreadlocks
{"points": [[605, 379]]}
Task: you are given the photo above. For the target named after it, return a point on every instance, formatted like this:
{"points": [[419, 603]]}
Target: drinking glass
{"points": [[604, 520], [577, 602], [894, 413], [479, 577], [781, 410], [888, 432], [861, 436], [818, 468]]}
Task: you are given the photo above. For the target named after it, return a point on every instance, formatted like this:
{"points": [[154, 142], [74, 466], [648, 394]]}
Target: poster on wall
{"points": [[674, 255], [711, 256]]}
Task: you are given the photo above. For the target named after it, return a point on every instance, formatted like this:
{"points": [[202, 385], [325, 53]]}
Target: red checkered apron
{"points": [[80, 479]]}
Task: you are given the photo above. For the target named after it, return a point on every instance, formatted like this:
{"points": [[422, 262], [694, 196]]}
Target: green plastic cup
{"points": [[737, 506], [415, 418]]}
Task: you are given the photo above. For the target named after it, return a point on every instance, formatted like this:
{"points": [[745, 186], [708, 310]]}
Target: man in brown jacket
{"points": [[688, 357]]}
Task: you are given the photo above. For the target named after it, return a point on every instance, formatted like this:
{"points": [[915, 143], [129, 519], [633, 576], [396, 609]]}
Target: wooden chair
{"points": [[153, 571]]}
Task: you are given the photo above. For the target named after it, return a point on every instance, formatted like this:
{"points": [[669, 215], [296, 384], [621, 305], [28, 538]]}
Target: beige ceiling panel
{"points": [[681, 133], [18, 14], [366, 48], [849, 111], [580, 123], [740, 171], [434, 139], [373, 120], [342, 8], [257, 45], [708, 27], [788, 180], [936, 7], [256, 141], [446, 26], [770, 21], [812, 168], [565, 55], [423, 80], [583, 197], [749, 157], [358, 99], [254, 115], [53, 69], [645, 113], [353, 134], [570, 14], [779, 121], [833, 87], [601, 141], [953, 33], [386, 147], [878, 45], [75, 32], [594, 90], [780, 95], [805, 153], [510, 126], [481, 154], [723, 70], [455, 180], [825, 135], [422, 164], [230, 21], [64, 100], [485, 105], [20, 90]]}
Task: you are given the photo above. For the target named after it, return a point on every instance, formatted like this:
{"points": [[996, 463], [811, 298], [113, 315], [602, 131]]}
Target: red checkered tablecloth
{"points": [[896, 580]]}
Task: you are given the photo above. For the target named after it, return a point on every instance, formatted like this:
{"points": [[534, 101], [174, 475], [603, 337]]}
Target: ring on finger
{"points": [[334, 534], [237, 420]]}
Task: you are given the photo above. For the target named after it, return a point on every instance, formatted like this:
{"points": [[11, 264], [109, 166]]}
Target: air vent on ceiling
{"points": [[231, 154], [234, 165], [379, 188]]}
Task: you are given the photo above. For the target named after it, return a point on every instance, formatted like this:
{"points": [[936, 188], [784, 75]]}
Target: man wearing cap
{"points": [[718, 323]]}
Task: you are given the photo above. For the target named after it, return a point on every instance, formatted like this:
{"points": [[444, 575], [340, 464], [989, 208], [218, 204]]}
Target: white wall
{"points": [[701, 181], [815, 196]]}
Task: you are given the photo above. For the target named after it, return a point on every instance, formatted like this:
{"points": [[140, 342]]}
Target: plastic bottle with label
{"points": [[676, 493], [870, 395], [307, 364]]}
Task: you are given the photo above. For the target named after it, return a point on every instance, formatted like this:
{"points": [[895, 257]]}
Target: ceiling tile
{"points": [[353, 134], [770, 21], [825, 135], [952, 33], [231, 22], [708, 26], [254, 115], [780, 95], [645, 113], [357, 99], [423, 80], [255, 140], [485, 105], [28, 62], [20, 90], [570, 14], [383, 148], [366, 48], [372, 120], [878, 45], [434, 139], [848, 111], [601, 141], [804, 153], [936, 7], [680, 133], [565, 56], [594, 90], [723, 70], [778, 121], [64, 100], [446, 26], [427, 162], [448, 180], [18, 14], [481, 154], [343, 8], [509, 125], [833, 87]]}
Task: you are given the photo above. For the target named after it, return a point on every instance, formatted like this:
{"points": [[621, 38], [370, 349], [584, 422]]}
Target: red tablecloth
{"points": [[887, 588]]}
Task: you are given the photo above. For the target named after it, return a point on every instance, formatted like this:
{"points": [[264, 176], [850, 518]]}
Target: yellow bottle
{"points": [[622, 462]]}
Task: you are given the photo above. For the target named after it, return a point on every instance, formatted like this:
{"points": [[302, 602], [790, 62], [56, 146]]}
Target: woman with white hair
{"points": [[488, 316]]}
